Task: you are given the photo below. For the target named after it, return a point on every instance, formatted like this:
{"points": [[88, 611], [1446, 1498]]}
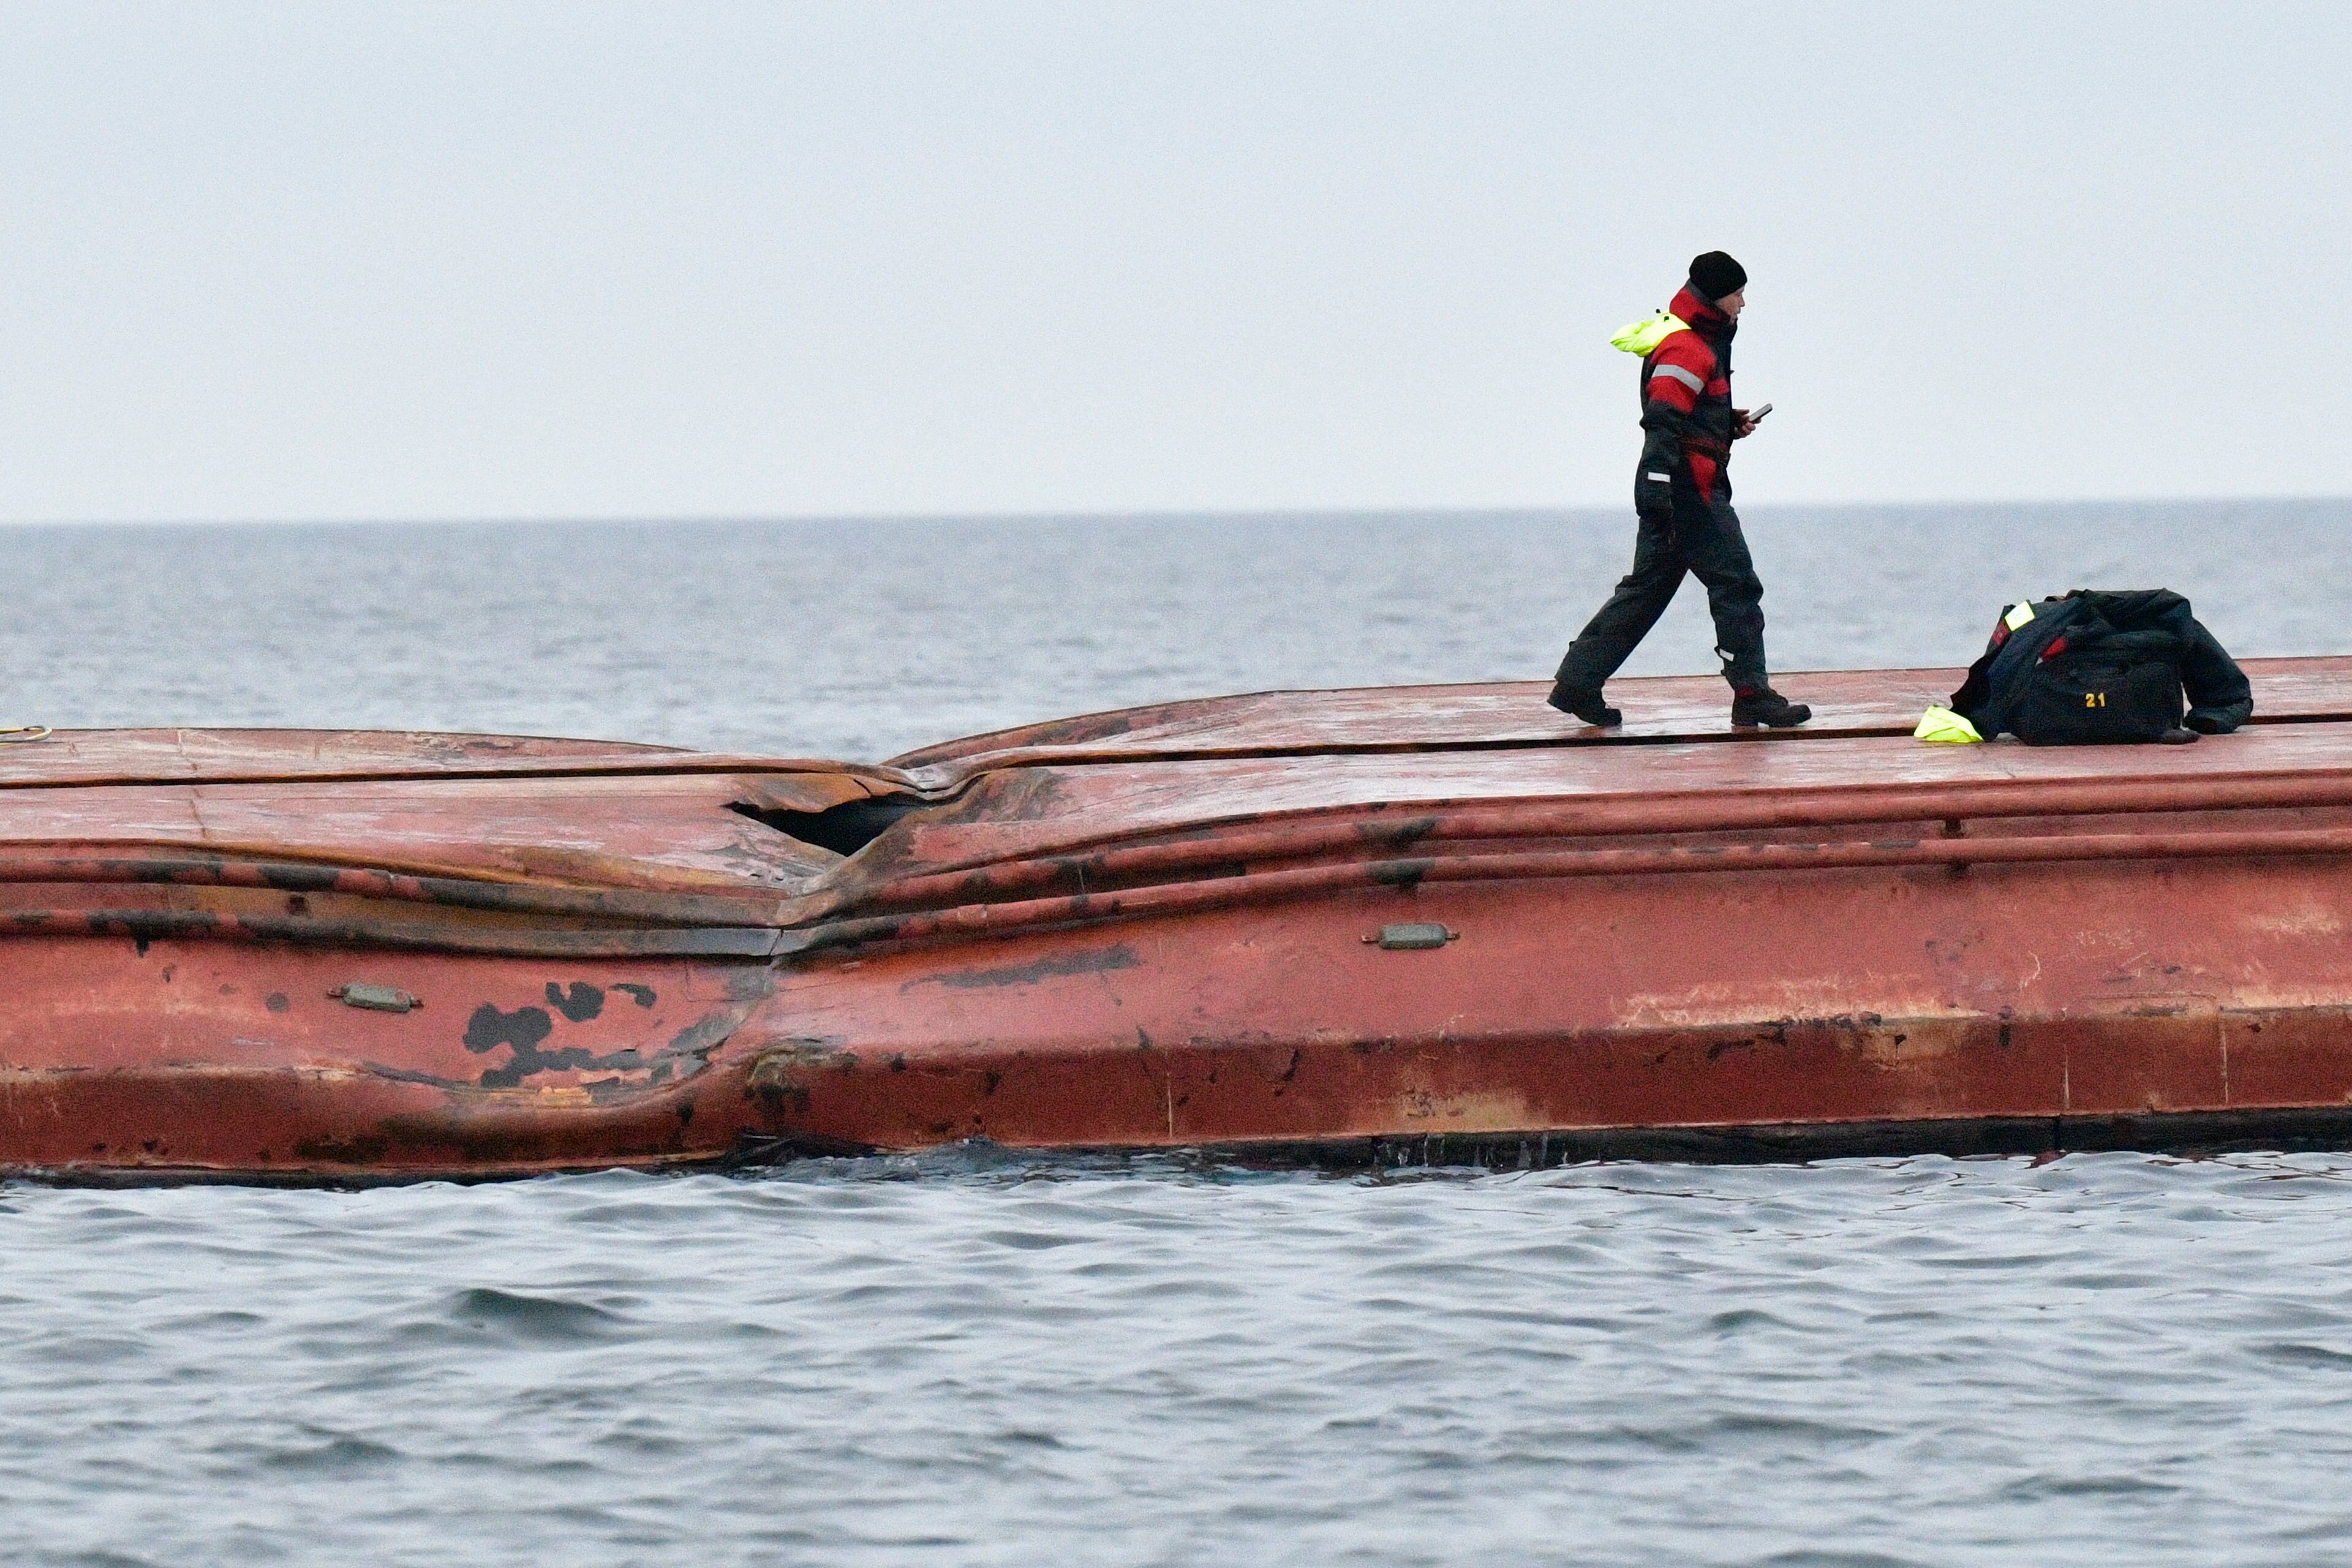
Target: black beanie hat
{"points": [[1716, 275]]}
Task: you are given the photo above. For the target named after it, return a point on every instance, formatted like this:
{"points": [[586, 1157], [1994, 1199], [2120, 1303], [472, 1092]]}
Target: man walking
{"points": [[1682, 495]]}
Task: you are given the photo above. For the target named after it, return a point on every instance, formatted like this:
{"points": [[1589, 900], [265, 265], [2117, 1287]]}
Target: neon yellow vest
{"points": [[1943, 725]]}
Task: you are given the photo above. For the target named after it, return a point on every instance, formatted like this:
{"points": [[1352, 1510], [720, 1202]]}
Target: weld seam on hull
{"points": [[371, 882], [154, 925], [750, 940], [1342, 830], [993, 919]]}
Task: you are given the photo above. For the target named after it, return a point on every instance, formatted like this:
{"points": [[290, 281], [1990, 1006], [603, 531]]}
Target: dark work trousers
{"points": [[1705, 541]]}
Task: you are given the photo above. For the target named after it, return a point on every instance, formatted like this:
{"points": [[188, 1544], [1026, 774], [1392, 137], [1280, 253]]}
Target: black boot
{"points": [[1584, 704], [1761, 705]]}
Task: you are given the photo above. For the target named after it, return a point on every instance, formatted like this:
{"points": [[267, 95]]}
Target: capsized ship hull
{"points": [[1420, 924]]}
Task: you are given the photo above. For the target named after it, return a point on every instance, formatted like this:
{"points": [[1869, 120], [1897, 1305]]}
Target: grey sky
{"points": [[584, 260]]}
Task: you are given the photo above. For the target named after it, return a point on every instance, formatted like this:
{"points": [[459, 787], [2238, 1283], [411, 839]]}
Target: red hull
{"points": [[1163, 929]]}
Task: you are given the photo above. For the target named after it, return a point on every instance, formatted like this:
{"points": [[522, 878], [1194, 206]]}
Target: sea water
{"points": [[973, 1357]]}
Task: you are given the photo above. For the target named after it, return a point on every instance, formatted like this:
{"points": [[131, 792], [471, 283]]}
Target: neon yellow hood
{"points": [[1642, 337]]}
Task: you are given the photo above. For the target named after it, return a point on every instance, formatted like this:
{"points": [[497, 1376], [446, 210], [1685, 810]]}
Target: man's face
{"points": [[1731, 304]]}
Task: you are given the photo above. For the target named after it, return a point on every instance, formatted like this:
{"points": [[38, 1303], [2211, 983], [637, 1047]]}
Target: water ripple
{"points": [[976, 1357], [1126, 1364]]}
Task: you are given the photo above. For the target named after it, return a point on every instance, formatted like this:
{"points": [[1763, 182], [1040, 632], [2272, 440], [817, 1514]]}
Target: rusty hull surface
{"points": [[1163, 928]]}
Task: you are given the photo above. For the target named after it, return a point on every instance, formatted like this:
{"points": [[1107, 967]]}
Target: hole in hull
{"points": [[845, 829]]}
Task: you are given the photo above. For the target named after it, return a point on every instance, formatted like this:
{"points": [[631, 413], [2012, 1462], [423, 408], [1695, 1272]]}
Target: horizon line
{"points": [[1142, 514]]}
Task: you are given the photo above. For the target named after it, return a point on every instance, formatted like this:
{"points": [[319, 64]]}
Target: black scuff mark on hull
{"points": [[525, 1028], [572, 1058], [353, 1149], [299, 878], [580, 1004], [1399, 835], [1101, 961], [492, 1027], [643, 995], [522, 1029], [525, 1032]]}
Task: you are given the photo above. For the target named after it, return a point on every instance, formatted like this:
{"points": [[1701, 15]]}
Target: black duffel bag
{"points": [[2103, 668]]}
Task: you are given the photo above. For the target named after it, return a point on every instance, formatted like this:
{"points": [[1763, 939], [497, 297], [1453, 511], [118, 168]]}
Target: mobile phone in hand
{"points": [[1756, 415]]}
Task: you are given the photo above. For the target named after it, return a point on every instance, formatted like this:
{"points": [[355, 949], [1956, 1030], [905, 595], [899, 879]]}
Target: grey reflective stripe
{"points": [[1679, 374], [1661, 478]]}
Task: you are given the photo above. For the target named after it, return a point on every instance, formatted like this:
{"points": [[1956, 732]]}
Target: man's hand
{"points": [[1743, 423]]}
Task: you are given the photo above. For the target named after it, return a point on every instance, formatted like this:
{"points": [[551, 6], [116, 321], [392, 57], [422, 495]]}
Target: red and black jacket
{"points": [[1687, 393]]}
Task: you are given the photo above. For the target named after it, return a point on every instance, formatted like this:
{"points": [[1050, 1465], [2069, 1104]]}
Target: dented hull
{"points": [[1437, 924]]}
